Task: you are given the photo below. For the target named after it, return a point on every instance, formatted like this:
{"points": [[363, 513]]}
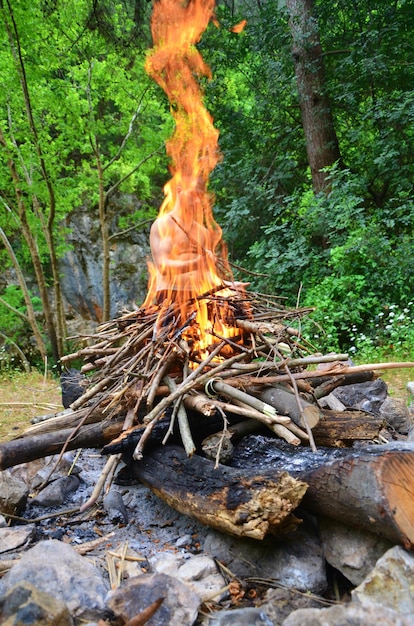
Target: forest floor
{"points": [[24, 396]]}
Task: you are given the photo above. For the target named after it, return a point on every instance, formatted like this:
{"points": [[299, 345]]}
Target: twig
{"points": [[183, 424]]}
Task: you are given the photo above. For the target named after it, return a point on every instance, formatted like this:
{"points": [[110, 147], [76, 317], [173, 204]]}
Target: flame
{"points": [[189, 258]]}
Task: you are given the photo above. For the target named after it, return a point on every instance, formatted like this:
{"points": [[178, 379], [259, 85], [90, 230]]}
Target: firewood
{"points": [[25, 449], [286, 403], [232, 501], [369, 487], [342, 428]]}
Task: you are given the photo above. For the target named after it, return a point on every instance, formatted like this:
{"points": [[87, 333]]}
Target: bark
{"points": [[232, 501], [321, 141]]}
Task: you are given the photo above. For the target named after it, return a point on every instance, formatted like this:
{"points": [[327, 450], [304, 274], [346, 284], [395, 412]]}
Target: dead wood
{"points": [[286, 403], [25, 449], [370, 487], [236, 502], [342, 428]]}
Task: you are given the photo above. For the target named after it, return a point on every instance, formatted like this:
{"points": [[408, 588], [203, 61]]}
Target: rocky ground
{"points": [[132, 555]]}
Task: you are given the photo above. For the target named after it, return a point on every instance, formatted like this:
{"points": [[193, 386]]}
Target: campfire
{"points": [[204, 360]]}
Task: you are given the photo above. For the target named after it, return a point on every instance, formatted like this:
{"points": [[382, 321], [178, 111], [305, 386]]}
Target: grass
{"points": [[24, 396]]}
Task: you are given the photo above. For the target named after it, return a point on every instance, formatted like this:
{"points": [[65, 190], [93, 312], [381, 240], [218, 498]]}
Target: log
{"points": [[240, 503], [370, 487], [342, 428], [284, 401], [26, 449]]}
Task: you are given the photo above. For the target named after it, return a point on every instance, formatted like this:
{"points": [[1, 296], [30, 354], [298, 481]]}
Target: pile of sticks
{"points": [[136, 376], [139, 375]]}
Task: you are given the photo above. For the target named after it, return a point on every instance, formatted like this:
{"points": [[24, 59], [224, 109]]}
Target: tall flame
{"points": [[189, 256]]}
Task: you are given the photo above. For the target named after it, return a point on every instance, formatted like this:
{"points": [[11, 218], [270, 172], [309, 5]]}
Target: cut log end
{"points": [[398, 481]]}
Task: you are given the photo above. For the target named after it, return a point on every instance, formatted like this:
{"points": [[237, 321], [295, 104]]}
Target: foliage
{"points": [[347, 252], [15, 329]]}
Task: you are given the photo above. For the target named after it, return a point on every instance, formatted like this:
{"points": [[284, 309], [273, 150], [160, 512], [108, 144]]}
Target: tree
{"points": [[318, 124]]}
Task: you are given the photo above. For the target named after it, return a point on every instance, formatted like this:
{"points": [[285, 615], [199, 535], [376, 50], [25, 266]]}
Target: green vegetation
{"points": [[315, 189]]}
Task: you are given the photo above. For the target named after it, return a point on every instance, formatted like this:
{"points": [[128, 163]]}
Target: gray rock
{"points": [[16, 536], [391, 582], [396, 415], [367, 396], [180, 605], [352, 551], [281, 602], [25, 605], [56, 492], [54, 567], [348, 615], [115, 507], [410, 387], [240, 617], [13, 493], [199, 572], [295, 561]]}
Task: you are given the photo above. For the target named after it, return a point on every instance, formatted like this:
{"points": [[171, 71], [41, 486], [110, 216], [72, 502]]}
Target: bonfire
{"points": [[204, 359]]}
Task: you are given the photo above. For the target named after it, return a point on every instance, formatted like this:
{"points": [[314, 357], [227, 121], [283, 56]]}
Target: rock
{"points": [[367, 396], [348, 615], [240, 617], [180, 605], [56, 492], [396, 415], [296, 561], [391, 582], [279, 603], [24, 605], [16, 536], [73, 385], [199, 572], [54, 567], [410, 387], [13, 493], [351, 551], [115, 507]]}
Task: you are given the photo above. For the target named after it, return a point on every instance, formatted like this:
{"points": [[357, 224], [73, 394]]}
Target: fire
{"points": [[189, 258]]}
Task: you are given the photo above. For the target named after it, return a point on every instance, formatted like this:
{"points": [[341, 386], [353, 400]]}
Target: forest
{"points": [[314, 103]]}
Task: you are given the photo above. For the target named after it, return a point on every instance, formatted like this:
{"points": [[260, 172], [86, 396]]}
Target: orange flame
{"points": [[189, 256]]}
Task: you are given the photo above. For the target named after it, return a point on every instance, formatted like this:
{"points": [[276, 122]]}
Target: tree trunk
{"points": [[321, 141]]}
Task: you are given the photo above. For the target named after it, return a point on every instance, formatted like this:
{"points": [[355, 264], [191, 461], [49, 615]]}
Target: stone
{"points": [[54, 567], [410, 387], [367, 396], [199, 572], [296, 560], [15, 536], [180, 605], [396, 415], [351, 551], [391, 582], [13, 493], [115, 507], [280, 602], [24, 605], [348, 615], [240, 617], [56, 492]]}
